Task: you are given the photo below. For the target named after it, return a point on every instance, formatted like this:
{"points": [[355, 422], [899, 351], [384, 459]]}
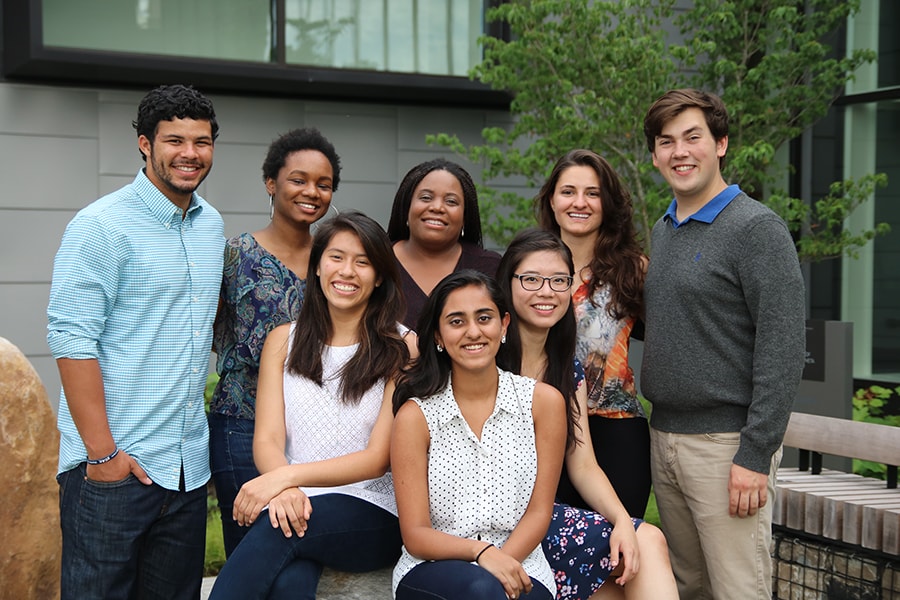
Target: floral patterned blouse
{"points": [[602, 347], [258, 294]]}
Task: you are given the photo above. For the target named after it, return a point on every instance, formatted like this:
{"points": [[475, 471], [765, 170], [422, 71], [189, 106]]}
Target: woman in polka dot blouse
{"points": [[589, 553], [476, 456]]}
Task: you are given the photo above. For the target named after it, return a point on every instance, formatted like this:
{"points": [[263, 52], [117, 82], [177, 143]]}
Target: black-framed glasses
{"points": [[532, 283]]}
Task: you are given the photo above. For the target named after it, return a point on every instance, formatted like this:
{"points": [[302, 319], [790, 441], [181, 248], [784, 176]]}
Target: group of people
{"points": [[409, 398]]}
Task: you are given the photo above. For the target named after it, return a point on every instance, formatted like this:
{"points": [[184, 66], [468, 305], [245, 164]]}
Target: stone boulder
{"points": [[29, 508]]}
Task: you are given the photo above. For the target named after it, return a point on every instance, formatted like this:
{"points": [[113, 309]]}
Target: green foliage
{"points": [[582, 74], [869, 405], [215, 547]]}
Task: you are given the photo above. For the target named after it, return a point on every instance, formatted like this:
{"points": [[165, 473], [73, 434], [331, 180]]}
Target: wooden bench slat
{"points": [[842, 437], [890, 532]]}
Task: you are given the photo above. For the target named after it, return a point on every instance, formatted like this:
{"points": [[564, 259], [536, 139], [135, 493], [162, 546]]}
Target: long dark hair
{"points": [[382, 352], [560, 345], [398, 226], [430, 373], [618, 259]]}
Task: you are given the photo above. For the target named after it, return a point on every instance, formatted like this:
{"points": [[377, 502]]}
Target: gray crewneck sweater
{"points": [[725, 328]]}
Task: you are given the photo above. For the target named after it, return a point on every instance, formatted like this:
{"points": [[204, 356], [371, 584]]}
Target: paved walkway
{"points": [[206, 587]]}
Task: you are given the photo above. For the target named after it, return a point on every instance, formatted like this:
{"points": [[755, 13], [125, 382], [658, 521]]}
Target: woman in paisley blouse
{"points": [[262, 287], [592, 547], [584, 203]]}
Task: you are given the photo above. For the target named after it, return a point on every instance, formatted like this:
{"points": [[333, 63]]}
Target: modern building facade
{"points": [[375, 76]]}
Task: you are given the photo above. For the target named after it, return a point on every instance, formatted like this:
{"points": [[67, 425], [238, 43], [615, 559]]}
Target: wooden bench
{"points": [[841, 506]]}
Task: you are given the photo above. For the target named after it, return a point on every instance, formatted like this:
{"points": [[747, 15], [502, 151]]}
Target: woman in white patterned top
{"points": [[323, 421], [476, 456]]}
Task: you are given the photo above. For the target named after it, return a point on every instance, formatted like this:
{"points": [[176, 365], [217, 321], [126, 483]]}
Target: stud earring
{"points": [[439, 347], [271, 207]]}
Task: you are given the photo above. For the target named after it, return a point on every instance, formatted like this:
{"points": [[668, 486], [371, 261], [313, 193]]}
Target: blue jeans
{"points": [[458, 580], [344, 533], [124, 539], [231, 461]]}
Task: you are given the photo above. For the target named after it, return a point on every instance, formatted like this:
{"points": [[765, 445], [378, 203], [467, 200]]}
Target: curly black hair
{"points": [[168, 102], [295, 140]]}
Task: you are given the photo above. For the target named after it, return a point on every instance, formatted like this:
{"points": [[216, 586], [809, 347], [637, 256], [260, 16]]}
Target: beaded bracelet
{"points": [[483, 550], [105, 459]]}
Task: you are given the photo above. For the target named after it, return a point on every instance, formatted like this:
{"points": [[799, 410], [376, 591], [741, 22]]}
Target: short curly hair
{"points": [[168, 102], [296, 140]]}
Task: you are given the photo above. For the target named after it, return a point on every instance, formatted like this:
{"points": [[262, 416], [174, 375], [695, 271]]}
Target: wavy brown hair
{"points": [[618, 259], [382, 351]]}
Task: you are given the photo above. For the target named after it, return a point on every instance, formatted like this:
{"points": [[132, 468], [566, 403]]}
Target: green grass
{"points": [[651, 515], [215, 548]]}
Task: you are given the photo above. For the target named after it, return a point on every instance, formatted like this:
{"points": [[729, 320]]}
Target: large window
{"points": [[416, 51], [871, 282], [435, 37], [195, 28]]}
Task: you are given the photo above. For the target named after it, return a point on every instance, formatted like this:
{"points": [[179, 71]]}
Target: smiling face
{"points": [[179, 157], [687, 156], [345, 274], [576, 202], [542, 309], [302, 191], [470, 328], [436, 210]]}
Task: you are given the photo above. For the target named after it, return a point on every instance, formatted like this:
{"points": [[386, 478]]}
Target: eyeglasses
{"points": [[532, 283]]}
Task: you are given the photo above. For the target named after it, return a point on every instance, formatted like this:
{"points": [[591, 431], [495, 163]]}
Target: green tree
{"points": [[582, 74]]}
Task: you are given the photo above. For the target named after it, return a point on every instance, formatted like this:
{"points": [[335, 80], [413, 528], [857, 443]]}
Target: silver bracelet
{"points": [[105, 459]]}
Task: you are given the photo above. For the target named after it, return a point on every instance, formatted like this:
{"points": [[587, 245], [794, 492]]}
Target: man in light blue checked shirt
{"points": [[135, 289]]}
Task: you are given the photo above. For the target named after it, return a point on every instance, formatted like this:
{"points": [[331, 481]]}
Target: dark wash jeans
{"points": [[231, 461], [344, 533], [127, 540], [458, 580]]}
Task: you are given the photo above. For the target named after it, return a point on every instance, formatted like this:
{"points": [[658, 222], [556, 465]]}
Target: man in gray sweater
{"points": [[723, 355]]}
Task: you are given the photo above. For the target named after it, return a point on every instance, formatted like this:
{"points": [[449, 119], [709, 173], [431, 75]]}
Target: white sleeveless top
{"points": [[479, 489], [320, 426]]}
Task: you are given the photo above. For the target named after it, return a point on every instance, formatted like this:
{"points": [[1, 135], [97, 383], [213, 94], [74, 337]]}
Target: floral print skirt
{"points": [[577, 548]]}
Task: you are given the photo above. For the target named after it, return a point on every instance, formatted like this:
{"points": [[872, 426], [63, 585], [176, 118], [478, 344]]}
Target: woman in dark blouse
{"points": [[436, 230]]}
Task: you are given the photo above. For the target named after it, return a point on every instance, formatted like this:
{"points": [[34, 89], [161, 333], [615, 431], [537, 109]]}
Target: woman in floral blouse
{"points": [[584, 202], [262, 287]]}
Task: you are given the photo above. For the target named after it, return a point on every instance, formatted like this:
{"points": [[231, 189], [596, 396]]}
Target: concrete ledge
{"points": [[336, 585]]}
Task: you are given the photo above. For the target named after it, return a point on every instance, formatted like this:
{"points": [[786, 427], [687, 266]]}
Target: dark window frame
{"points": [[26, 58]]}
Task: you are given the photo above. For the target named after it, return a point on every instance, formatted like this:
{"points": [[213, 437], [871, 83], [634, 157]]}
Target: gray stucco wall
{"points": [[61, 148]]}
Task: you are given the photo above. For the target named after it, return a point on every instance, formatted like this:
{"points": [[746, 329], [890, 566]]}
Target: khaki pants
{"points": [[714, 555]]}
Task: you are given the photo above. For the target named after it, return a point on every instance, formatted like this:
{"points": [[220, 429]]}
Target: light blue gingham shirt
{"points": [[136, 287]]}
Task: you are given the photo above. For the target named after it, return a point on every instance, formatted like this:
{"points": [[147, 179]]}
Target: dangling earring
{"points": [[462, 233], [503, 339], [271, 207], [439, 347]]}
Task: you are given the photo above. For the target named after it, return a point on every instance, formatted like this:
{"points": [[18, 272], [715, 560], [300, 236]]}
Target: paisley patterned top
{"points": [[258, 294], [602, 347]]}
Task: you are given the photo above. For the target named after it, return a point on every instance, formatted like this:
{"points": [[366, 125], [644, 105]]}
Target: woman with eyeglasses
{"points": [[596, 546], [585, 204], [263, 284]]}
